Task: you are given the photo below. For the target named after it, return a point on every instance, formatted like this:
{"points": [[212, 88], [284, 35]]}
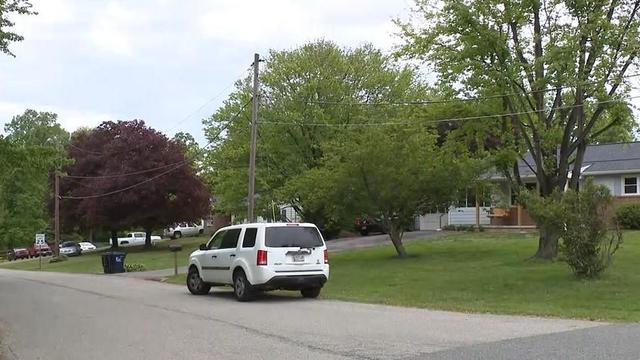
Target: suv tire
{"points": [[177, 235], [195, 284], [310, 293], [242, 289]]}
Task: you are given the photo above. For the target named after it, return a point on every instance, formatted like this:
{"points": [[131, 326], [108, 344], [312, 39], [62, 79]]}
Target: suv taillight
{"points": [[326, 256], [261, 259]]}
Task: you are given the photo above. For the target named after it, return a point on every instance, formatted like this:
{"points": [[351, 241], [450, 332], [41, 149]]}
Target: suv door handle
{"points": [[214, 256], [232, 255]]}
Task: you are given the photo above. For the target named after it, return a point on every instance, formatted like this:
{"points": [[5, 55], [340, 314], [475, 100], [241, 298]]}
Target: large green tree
{"points": [[31, 150], [561, 69], [314, 84], [393, 172]]}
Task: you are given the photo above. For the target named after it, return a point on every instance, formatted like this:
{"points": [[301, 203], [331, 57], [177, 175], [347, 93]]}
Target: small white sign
{"points": [[40, 239]]}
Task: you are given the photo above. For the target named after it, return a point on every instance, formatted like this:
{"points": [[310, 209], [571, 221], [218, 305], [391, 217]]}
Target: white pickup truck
{"points": [[136, 239]]}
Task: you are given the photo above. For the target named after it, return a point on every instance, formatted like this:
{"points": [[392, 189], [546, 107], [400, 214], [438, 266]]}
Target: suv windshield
{"points": [[292, 236]]}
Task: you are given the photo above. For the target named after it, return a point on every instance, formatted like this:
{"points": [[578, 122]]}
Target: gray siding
{"points": [[610, 181]]}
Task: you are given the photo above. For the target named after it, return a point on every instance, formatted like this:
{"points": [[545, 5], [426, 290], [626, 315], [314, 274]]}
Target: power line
{"points": [[175, 126], [447, 101], [442, 120], [165, 172], [124, 174]]}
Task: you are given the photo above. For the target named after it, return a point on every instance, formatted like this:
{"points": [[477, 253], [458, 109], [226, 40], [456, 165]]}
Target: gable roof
{"points": [[600, 158]]}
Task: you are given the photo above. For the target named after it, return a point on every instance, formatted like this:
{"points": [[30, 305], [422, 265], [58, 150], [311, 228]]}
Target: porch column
{"points": [[519, 212]]}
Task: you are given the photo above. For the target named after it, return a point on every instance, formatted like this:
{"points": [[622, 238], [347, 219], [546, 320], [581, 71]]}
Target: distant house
{"points": [[616, 166]]}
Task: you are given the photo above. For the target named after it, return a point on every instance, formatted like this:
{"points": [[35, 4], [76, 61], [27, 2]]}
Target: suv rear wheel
{"points": [[242, 289], [195, 284], [311, 293]]}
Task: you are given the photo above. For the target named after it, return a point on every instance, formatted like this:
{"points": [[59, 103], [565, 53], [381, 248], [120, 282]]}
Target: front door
{"points": [[209, 258], [226, 254]]}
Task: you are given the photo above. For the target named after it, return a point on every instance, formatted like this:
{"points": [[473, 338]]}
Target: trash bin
{"points": [[113, 262]]}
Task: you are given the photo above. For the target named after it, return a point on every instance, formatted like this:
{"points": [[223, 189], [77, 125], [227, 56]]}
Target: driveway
{"points": [[377, 240], [77, 316]]}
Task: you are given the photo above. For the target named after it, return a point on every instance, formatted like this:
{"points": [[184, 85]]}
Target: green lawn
{"points": [[488, 273], [157, 258], [485, 272]]}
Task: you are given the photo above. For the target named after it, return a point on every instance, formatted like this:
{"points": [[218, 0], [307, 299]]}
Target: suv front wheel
{"points": [[195, 284]]}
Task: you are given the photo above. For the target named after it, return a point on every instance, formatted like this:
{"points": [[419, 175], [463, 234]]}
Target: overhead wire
{"points": [[175, 126], [447, 101], [177, 165], [393, 123]]}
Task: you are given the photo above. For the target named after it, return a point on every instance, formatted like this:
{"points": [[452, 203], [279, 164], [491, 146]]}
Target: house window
{"points": [[631, 185]]}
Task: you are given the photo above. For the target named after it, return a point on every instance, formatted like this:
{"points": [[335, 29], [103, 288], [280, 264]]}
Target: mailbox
{"points": [[175, 247]]}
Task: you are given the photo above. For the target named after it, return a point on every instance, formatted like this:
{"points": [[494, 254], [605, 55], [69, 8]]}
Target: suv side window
{"points": [[249, 240], [230, 240], [216, 240]]}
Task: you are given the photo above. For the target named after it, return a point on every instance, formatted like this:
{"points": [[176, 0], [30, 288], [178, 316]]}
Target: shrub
{"points": [[134, 267], [628, 216], [588, 244], [462, 228]]}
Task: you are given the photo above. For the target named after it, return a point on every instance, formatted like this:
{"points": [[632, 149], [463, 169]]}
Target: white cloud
{"points": [[70, 119], [113, 28], [287, 23]]}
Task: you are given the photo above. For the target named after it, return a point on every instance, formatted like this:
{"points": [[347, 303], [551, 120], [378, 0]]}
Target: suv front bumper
{"points": [[296, 282]]}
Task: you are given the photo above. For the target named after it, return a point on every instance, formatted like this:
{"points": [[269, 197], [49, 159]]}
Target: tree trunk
{"points": [[114, 239], [147, 239], [396, 238], [548, 243]]}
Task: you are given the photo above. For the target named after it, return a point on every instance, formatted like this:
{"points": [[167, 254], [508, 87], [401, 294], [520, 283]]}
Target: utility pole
{"points": [[252, 156], [56, 231]]}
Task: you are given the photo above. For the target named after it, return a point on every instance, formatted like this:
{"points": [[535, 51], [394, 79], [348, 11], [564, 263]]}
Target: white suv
{"points": [[261, 257]]}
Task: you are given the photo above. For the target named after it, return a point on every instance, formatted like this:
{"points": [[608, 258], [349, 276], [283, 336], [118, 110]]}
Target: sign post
{"points": [[40, 240]]}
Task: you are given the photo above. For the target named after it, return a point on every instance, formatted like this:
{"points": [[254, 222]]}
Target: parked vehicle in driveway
{"points": [[70, 248], [261, 257], [184, 229], [367, 225], [17, 253], [87, 247], [36, 250], [136, 239]]}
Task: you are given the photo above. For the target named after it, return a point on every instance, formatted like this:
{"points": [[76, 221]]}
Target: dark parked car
{"points": [[366, 225], [17, 253], [70, 248]]}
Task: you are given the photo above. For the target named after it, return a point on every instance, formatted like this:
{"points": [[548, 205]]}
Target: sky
{"points": [[168, 62]]}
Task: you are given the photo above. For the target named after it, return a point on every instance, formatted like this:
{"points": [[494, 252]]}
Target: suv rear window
{"points": [[292, 236]]}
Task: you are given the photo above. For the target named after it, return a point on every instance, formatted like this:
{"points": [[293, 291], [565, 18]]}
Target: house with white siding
{"points": [[614, 165]]}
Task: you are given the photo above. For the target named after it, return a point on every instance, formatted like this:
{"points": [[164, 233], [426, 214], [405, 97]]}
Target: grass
{"points": [[156, 258], [485, 272]]}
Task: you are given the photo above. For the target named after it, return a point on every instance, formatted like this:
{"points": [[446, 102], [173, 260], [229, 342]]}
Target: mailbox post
{"points": [[175, 248]]}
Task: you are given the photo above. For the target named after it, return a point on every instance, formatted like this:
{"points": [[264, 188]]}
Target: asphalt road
{"points": [[73, 316]]}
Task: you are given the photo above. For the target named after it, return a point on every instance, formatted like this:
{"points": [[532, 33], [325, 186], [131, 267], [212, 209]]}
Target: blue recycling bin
{"points": [[113, 262]]}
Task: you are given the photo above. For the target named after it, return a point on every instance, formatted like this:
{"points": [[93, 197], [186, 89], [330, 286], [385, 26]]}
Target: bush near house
{"points": [[628, 216], [462, 228]]}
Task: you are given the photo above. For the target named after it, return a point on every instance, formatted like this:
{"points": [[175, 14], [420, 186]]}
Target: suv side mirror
{"points": [[203, 247]]}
